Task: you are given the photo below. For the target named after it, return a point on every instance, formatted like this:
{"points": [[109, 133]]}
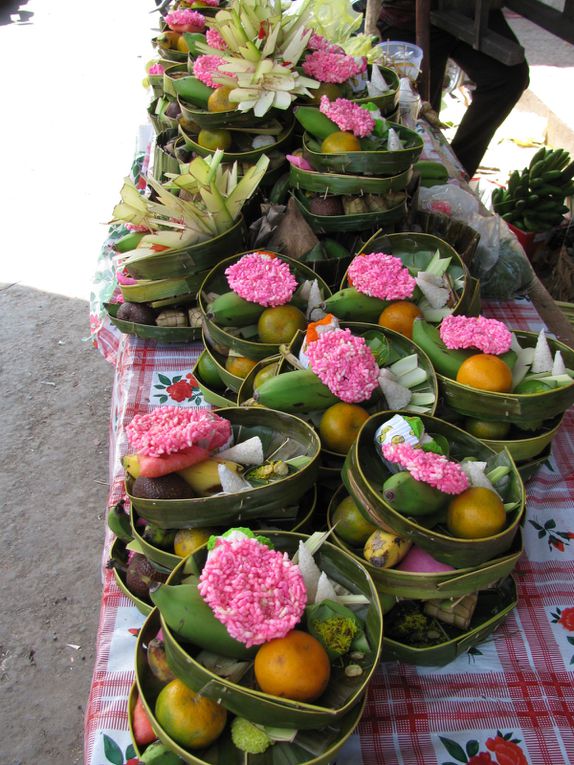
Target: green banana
{"points": [[119, 522], [188, 615], [445, 361], [159, 754], [192, 90], [129, 241], [351, 305], [298, 391], [540, 154], [230, 310], [411, 497], [315, 122]]}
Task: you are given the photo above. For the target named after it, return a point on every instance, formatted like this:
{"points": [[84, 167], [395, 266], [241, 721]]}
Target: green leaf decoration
{"points": [[472, 748], [570, 640], [165, 380], [162, 399], [455, 750], [177, 378], [130, 752], [112, 751], [551, 524], [159, 387]]}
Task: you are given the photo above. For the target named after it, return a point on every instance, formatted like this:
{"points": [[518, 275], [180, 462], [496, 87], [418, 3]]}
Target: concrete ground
{"points": [[72, 104]]}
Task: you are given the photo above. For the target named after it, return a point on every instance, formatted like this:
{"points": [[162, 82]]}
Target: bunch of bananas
{"points": [[534, 198]]}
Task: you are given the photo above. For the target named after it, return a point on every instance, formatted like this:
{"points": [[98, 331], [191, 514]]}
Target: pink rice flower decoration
{"points": [[156, 69], [171, 429], [431, 468], [185, 20], [348, 116], [382, 276], [124, 278], [345, 364], [299, 162], [257, 593], [318, 42], [325, 66], [215, 40], [205, 68], [487, 335], [261, 278]]}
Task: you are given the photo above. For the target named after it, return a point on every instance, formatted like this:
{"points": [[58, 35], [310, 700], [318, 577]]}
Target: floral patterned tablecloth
{"points": [[507, 701]]}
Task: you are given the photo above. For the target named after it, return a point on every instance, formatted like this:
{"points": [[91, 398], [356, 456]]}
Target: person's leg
{"points": [[498, 88]]}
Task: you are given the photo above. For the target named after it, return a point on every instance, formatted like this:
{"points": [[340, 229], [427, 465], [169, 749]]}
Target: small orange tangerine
{"points": [[240, 366], [192, 720], [485, 372], [293, 667], [475, 514], [340, 142], [279, 324], [400, 317], [340, 425]]}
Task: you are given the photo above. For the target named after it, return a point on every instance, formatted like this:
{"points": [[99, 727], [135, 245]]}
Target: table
{"points": [[509, 700]]}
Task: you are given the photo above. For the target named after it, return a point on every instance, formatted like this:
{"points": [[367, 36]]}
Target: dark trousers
{"points": [[498, 87]]}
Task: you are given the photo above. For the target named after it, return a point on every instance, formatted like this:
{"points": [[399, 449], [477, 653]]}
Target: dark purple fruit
{"points": [[138, 313]]}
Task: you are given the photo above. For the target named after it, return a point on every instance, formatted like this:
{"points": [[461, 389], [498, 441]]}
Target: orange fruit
{"points": [[350, 524], [340, 425], [265, 373], [340, 142], [293, 667], [187, 541], [192, 720], [400, 316], [486, 372], [240, 366], [329, 89], [219, 101], [214, 139], [279, 324], [475, 514]]}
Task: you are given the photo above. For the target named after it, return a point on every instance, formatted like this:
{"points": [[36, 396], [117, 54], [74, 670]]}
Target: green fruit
{"points": [[493, 431], [209, 373], [230, 310], [350, 524], [351, 305], [298, 391], [445, 361], [265, 373], [532, 386], [410, 497]]}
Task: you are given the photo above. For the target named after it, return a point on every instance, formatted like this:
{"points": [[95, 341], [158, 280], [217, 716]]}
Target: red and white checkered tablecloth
{"points": [[509, 700]]}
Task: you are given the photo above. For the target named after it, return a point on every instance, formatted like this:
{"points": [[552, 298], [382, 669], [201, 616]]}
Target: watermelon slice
{"points": [[154, 467], [143, 732]]}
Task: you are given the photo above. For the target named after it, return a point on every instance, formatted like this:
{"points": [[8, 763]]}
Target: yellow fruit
{"points": [[169, 40], [485, 372], [475, 514], [182, 45], [203, 477], [340, 425], [192, 720], [400, 317], [351, 526], [329, 89], [279, 324], [265, 373], [340, 142], [240, 366], [214, 139], [188, 540], [494, 431], [293, 667], [131, 464], [219, 101]]}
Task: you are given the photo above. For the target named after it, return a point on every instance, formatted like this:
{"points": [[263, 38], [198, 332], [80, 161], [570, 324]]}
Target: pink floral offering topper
{"points": [[205, 68], [431, 468], [382, 276], [348, 116], [171, 429], [257, 593], [318, 42], [185, 20], [326, 66], [487, 335], [345, 364], [262, 278], [215, 40], [156, 69]]}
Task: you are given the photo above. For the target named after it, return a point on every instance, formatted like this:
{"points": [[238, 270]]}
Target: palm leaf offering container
{"points": [[173, 324], [415, 585], [286, 442], [232, 323], [211, 383], [305, 747], [365, 474], [345, 689]]}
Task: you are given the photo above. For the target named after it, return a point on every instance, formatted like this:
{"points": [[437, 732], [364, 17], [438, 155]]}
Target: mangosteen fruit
{"points": [[139, 313], [326, 206], [170, 486]]}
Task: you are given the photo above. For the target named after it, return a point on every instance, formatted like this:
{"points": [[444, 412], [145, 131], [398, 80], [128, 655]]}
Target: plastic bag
{"points": [[450, 200]]}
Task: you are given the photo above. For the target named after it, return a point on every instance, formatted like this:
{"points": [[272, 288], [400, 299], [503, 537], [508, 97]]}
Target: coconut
{"points": [[558, 366], [325, 589], [248, 452], [396, 394], [475, 472], [231, 482], [377, 85], [310, 571], [394, 143], [326, 205], [542, 355], [261, 141], [432, 287]]}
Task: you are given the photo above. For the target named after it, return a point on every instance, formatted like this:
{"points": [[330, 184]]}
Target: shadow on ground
{"points": [[56, 392]]}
